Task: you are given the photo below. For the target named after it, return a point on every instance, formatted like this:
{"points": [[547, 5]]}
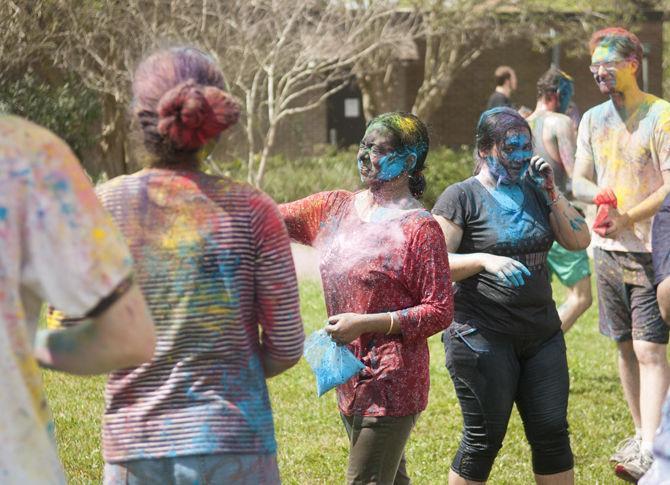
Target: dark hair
{"points": [[502, 74], [493, 126], [624, 42], [411, 134], [550, 82], [180, 103]]}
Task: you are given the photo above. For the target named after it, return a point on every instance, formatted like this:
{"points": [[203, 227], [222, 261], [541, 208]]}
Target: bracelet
{"points": [[390, 326]]}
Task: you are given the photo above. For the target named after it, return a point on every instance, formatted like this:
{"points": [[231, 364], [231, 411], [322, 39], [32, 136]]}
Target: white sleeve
{"points": [[73, 255]]}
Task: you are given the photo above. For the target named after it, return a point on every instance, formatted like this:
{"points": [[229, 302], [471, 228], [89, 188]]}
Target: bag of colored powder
{"points": [[605, 200], [331, 363]]}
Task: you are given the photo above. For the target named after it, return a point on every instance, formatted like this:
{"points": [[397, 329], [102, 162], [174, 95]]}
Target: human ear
{"points": [[410, 162], [635, 65]]}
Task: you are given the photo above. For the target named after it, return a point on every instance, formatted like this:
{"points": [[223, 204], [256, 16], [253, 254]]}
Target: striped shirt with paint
{"points": [[213, 260]]}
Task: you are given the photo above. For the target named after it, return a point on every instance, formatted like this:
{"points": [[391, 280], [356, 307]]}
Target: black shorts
{"points": [[627, 304], [491, 372]]}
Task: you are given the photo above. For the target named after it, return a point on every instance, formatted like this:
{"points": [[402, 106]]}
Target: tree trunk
{"points": [[368, 97], [269, 144], [113, 138], [430, 98]]}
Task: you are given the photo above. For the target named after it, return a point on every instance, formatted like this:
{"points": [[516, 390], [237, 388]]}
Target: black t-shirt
{"points": [[522, 233], [497, 99], [660, 242]]}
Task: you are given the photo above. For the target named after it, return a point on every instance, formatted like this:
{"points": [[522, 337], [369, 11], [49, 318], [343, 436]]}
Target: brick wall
{"points": [[455, 120]]}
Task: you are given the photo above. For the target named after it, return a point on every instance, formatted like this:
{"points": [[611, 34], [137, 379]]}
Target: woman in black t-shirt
{"points": [[505, 344]]}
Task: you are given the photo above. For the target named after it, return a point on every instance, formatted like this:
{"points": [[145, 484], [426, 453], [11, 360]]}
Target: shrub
{"points": [[67, 108]]}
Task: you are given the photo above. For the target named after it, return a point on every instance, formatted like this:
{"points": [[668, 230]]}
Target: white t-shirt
{"points": [[56, 244], [629, 158]]}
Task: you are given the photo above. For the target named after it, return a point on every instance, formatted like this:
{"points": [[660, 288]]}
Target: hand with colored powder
{"points": [[508, 270], [542, 175], [607, 203]]}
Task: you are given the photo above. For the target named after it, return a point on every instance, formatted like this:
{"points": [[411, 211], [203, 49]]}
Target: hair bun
{"points": [[190, 115]]}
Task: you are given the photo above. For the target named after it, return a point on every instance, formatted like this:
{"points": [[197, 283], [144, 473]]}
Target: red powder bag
{"points": [[606, 201]]}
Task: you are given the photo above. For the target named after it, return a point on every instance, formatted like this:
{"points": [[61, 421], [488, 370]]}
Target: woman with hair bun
{"points": [[213, 260], [506, 345], [385, 274]]}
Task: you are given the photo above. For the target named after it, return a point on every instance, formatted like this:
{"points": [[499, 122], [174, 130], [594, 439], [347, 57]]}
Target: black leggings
{"points": [[493, 371]]}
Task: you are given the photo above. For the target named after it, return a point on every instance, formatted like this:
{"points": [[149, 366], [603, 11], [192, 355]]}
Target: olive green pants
{"points": [[377, 449]]}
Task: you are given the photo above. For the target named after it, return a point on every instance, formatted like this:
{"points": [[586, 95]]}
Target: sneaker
{"points": [[626, 449], [633, 469]]}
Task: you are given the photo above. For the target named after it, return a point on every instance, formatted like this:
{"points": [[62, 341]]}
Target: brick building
{"points": [[340, 120]]}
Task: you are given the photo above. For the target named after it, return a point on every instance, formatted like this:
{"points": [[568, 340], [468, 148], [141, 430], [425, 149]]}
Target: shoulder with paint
{"points": [[660, 109], [459, 189], [31, 139], [558, 119], [111, 184], [599, 110], [420, 221]]}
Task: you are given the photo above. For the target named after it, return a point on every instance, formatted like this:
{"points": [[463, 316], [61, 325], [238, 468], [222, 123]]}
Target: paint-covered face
{"points": [[509, 161], [610, 70], [378, 159]]}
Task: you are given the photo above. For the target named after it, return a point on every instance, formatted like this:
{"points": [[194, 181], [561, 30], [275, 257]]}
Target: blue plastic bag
{"points": [[332, 364]]}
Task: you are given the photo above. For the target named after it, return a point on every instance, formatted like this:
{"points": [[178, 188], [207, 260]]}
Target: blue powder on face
{"points": [[514, 152], [392, 164], [3, 213]]}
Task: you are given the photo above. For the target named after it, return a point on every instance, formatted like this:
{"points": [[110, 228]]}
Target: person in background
{"points": [[505, 345], [505, 79], [58, 244], [554, 141], [214, 263], [387, 286], [659, 473], [623, 164]]}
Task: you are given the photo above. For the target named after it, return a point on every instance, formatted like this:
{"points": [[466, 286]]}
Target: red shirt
{"points": [[395, 265]]}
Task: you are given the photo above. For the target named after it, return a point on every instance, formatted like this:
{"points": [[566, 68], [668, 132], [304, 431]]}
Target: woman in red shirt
{"points": [[385, 273]]}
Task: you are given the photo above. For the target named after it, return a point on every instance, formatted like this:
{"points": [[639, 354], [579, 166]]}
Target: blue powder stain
{"points": [[19, 173], [393, 164], [577, 223], [512, 220], [255, 409], [3, 213], [228, 263], [61, 185]]}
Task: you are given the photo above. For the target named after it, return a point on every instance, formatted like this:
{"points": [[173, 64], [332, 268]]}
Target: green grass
{"points": [[312, 443]]}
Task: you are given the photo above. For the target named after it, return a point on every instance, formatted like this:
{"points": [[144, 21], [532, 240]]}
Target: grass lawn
{"points": [[312, 443]]}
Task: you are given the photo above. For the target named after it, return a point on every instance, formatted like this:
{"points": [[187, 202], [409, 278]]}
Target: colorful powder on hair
{"points": [[406, 128]]}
